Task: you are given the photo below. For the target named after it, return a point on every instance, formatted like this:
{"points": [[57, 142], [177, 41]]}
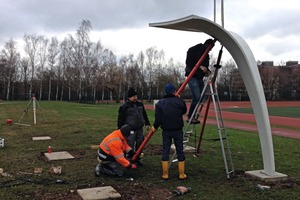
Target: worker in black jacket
{"points": [[133, 113], [196, 83], [168, 115]]}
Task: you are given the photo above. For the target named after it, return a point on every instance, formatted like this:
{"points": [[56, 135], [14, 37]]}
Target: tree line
{"points": [[80, 70]]}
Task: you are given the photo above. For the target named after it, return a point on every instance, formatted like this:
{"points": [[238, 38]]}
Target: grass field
{"points": [[75, 127]]}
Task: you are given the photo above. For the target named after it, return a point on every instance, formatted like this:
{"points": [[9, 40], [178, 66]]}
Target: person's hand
{"points": [[208, 73], [148, 127], [133, 166], [153, 129], [204, 69]]}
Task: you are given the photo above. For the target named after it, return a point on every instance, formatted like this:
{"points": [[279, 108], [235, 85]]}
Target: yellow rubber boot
{"points": [[165, 169], [181, 173]]}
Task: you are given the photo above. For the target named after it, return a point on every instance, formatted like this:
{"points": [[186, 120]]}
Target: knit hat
{"points": [[125, 130], [131, 92], [208, 41], [170, 88]]}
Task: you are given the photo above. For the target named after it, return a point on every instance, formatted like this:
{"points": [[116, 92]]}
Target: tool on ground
{"points": [[262, 187], [181, 190]]}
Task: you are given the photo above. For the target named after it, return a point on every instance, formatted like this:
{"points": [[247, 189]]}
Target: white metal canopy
{"points": [[246, 63]]}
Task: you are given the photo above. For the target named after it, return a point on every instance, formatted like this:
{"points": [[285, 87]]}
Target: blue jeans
{"points": [[196, 87]]}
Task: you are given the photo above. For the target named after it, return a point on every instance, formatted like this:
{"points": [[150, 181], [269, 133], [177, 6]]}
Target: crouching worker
{"points": [[112, 153], [168, 115]]}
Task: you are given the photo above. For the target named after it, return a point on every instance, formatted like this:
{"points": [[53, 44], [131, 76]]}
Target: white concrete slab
{"points": [[259, 174], [97, 193], [61, 155], [41, 138]]}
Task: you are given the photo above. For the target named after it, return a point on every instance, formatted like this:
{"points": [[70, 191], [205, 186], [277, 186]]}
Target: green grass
{"points": [[75, 127], [274, 111]]}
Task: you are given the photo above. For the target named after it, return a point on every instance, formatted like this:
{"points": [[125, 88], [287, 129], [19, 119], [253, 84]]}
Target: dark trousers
{"points": [[135, 139], [109, 165], [168, 136]]}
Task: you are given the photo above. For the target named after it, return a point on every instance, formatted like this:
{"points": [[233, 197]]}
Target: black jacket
{"points": [[193, 55], [133, 114], [168, 113]]}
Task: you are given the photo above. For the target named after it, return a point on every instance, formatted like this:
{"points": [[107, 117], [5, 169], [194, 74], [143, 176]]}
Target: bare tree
{"points": [[295, 78], [112, 72], [42, 57], [80, 55], [140, 63], [151, 62], [128, 67], [97, 69], [12, 56], [31, 46], [24, 73], [61, 74], [158, 71], [270, 78], [226, 78], [53, 52], [285, 83], [2, 66]]}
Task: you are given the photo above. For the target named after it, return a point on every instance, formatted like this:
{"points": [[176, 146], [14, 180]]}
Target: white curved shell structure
{"points": [[246, 63]]}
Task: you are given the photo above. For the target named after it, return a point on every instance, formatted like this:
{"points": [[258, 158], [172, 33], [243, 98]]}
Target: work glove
{"points": [[148, 127], [153, 129], [132, 166]]}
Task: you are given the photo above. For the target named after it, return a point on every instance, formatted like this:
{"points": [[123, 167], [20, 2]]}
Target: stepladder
{"points": [[209, 95]]}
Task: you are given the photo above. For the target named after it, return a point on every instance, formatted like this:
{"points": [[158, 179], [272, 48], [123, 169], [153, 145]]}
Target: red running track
{"points": [[280, 126]]}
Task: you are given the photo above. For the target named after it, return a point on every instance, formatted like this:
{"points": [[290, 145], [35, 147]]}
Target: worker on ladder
{"points": [[196, 83], [168, 115]]}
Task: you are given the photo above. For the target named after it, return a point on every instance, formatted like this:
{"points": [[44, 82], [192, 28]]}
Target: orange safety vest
{"points": [[114, 145]]}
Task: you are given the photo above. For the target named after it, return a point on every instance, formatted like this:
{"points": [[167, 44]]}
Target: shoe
{"points": [[98, 170], [194, 121], [139, 163]]}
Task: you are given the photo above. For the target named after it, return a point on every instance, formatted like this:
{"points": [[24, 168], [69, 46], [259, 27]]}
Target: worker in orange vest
{"points": [[114, 153]]}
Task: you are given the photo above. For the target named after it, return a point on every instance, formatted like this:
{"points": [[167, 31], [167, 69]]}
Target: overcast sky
{"points": [[270, 27]]}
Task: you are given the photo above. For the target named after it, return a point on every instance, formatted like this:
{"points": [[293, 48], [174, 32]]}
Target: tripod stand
{"points": [[34, 102]]}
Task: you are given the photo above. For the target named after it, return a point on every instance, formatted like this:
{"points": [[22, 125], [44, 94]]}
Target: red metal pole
{"points": [[204, 123], [139, 151], [149, 135]]}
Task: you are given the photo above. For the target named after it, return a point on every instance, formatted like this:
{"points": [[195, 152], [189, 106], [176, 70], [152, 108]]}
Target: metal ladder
{"points": [[226, 153], [212, 94]]}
